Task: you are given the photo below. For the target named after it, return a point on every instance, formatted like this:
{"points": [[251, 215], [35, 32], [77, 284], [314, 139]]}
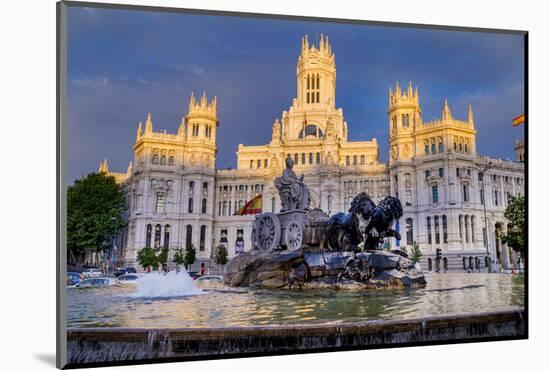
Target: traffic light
{"points": [[438, 253]]}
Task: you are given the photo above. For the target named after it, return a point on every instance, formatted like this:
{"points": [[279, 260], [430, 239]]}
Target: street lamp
{"points": [[482, 169]]}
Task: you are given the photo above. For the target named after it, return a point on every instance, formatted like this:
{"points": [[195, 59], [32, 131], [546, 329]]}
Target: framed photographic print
{"points": [[235, 184]]}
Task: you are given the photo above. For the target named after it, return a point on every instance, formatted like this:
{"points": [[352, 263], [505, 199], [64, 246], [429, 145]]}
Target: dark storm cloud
{"points": [[123, 64]]}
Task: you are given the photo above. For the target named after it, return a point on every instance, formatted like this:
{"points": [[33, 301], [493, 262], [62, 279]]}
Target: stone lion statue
{"points": [[344, 231]]}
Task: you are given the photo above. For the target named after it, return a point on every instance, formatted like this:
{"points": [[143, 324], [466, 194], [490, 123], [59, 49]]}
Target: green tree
{"points": [[163, 256], [416, 254], [94, 214], [515, 214], [147, 257], [190, 255], [221, 255], [178, 257]]}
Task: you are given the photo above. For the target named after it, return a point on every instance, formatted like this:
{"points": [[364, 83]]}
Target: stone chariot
{"points": [[296, 225]]}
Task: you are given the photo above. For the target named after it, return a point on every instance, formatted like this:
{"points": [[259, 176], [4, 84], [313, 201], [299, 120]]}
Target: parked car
{"points": [[194, 275], [128, 279], [97, 282], [120, 272], [210, 277], [74, 278], [89, 273], [125, 270]]}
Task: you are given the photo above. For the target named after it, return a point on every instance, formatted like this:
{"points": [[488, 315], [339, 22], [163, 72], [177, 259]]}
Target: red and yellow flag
{"points": [[252, 207], [519, 120]]}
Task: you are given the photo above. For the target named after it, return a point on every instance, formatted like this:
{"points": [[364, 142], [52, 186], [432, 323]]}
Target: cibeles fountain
{"points": [[304, 248]]}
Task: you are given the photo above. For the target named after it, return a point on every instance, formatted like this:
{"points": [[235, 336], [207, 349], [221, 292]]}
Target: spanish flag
{"points": [[519, 120], [252, 207]]}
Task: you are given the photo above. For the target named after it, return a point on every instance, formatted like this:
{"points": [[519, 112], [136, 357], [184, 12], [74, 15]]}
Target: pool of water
{"points": [[219, 306]]}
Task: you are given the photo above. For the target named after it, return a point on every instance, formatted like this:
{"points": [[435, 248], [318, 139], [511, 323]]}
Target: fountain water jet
{"points": [[172, 284]]}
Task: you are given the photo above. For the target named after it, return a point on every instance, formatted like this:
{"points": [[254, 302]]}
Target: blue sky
{"points": [[125, 63]]}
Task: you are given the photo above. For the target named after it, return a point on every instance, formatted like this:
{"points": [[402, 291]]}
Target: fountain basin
{"points": [[104, 345]]}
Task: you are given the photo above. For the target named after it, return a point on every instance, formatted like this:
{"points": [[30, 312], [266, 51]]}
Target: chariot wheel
{"points": [[267, 231], [294, 235]]}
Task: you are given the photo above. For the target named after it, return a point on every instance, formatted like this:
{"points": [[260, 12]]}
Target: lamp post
{"points": [[482, 169]]}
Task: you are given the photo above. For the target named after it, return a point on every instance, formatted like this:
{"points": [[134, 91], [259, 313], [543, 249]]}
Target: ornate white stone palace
{"points": [[176, 196]]}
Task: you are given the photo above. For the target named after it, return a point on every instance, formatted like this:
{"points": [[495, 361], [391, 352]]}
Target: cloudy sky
{"points": [[123, 64]]}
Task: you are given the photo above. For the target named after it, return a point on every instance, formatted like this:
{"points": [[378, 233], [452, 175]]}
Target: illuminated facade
{"points": [[175, 195]]}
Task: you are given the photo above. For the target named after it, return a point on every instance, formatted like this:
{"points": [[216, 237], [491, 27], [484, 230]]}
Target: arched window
{"points": [[394, 123], [202, 238], [225, 208], [251, 163], [189, 236], [429, 229], [329, 203], [426, 148], [155, 159], [296, 158], [318, 158], [311, 130], [347, 160], [148, 235], [303, 158], [440, 147], [433, 146], [163, 160], [171, 160], [310, 158], [158, 230], [308, 82], [203, 205], [318, 84], [436, 228], [409, 224], [190, 205], [167, 236], [444, 222]]}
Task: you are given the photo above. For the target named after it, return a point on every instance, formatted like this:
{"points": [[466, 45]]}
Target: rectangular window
{"points": [[318, 158], [435, 194], [427, 173], [482, 196], [362, 159], [160, 203], [466, 193], [441, 172], [347, 160], [354, 160], [317, 96]]}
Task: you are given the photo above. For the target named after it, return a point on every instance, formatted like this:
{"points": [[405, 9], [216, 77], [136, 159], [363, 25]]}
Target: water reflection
{"points": [[445, 294]]}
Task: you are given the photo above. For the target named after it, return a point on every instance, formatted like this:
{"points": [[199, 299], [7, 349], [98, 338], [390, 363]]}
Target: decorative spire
{"points": [[470, 115], [191, 102], [129, 170], [390, 97], [103, 167], [181, 129], [148, 124], [446, 111], [410, 90], [397, 89]]}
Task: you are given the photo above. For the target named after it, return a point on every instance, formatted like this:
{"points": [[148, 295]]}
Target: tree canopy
{"points": [[515, 214], [94, 214], [190, 255]]}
